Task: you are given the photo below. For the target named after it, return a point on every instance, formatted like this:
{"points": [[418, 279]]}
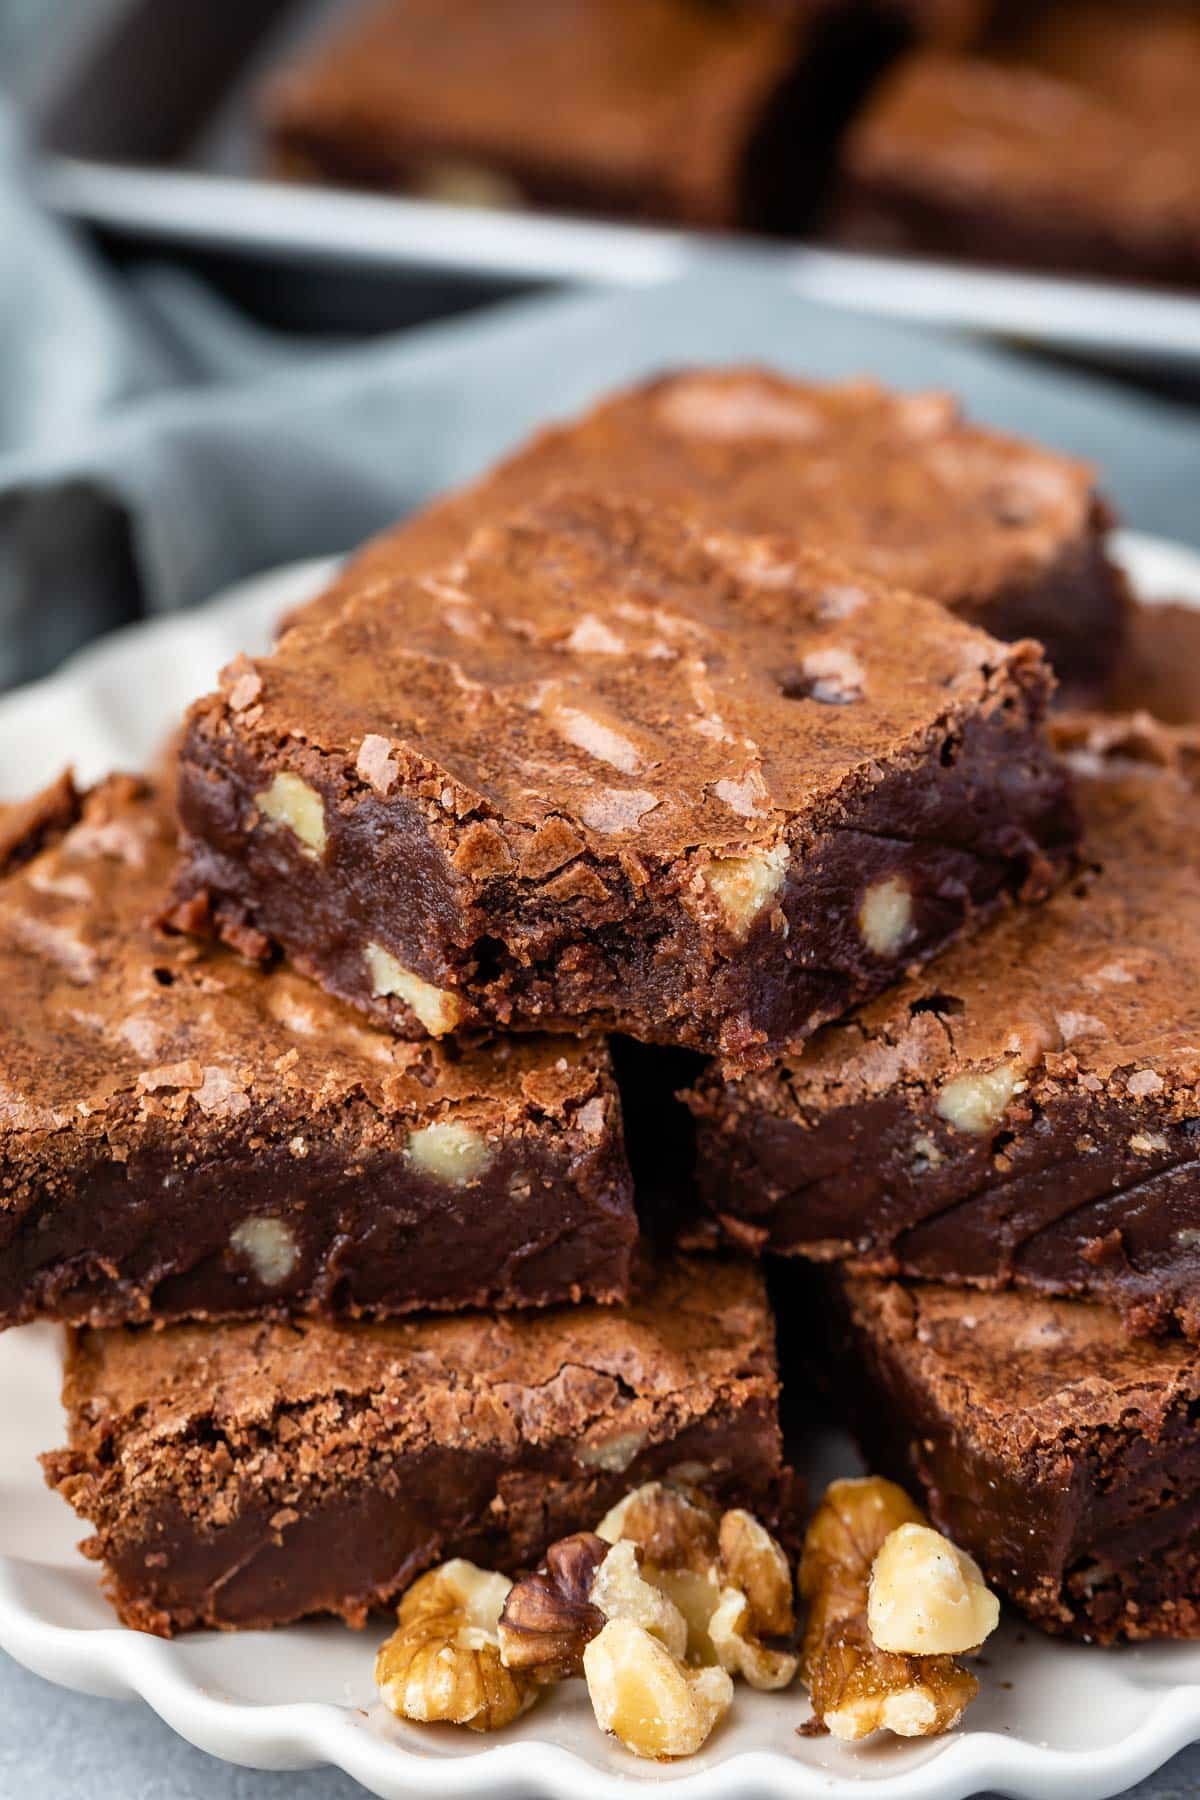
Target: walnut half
{"points": [[442, 1663], [855, 1686], [646, 1697]]}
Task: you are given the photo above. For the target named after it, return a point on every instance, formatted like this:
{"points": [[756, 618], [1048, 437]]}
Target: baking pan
{"points": [[145, 128]]}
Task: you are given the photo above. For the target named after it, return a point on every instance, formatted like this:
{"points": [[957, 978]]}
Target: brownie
{"points": [[610, 769], [646, 109], [1160, 670], [1026, 1110], [1075, 147], [184, 1135], [1006, 534], [1063, 1455], [249, 1474]]}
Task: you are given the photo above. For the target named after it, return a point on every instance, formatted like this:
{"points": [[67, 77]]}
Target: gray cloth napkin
{"points": [[154, 447]]}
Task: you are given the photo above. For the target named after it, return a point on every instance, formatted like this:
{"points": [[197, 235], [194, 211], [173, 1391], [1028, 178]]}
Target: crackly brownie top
{"points": [[1015, 1371], [698, 1337], [898, 484], [625, 676], [617, 85], [109, 1026], [1037, 136], [1099, 988]]}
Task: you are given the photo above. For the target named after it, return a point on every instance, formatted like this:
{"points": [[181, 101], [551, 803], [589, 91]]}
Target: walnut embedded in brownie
{"points": [[183, 1135], [1027, 1109], [1074, 147], [1160, 670], [249, 1474], [1008, 535], [648, 109], [1063, 1455], [614, 770]]}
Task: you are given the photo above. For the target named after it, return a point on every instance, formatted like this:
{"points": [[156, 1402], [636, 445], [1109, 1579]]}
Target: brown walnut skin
{"points": [[548, 1619]]}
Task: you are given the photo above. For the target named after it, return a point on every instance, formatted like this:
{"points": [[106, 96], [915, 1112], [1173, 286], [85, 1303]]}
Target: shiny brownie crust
{"points": [[183, 1135], [1027, 1110], [1064, 1456], [250, 1474], [1006, 534], [612, 770]]}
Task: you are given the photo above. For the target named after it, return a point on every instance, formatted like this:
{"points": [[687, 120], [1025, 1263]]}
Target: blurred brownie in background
{"points": [[1072, 143], [640, 108]]}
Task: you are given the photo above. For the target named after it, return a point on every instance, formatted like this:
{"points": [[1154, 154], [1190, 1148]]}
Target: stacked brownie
{"points": [[311, 1123], [709, 113], [1069, 140]]}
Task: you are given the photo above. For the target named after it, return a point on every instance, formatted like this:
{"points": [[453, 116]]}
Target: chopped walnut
{"points": [[975, 1103], [855, 1686], [435, 1008], [746, 885], [646, 1698], [928, 1597], [756, 1603], [291, 802], [885, 917], [450, 1151], [724, 1573], [549, 1617], [269, 1245], [442, 1663]]}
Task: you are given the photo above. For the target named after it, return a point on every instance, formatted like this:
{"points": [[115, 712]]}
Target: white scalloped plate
{"points": [[1054, 1721]]}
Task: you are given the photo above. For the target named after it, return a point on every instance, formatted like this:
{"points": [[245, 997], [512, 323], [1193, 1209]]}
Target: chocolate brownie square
{"points": [[1063, 1455], [647, 109], [1027, 1109], [612, 770], [182, 1135], [1160, 670], [1009, 536], [249, 1474], [1074, 147]]}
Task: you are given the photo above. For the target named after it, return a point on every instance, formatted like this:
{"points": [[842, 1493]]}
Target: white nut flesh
{"points": [[450, 1151], [291, 802], [975, 1103], [436, 1009], [269, 1246], [885, 917], [746, 885], [621, 1591], [928, 1597], [647, 1699], [614, 1454]]}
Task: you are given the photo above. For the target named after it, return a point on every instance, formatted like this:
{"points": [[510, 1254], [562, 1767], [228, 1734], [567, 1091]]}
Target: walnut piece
{"points": [[435, 1008], [450, 1151], [746, 885], [724, 1573], [621, 1591], [975, 1103], [291, 802], [855, 1686], [442, 1663], [927, 1596], [885, 916], [756, 1602], [646, 1698], [268, 1245], [549, 1617]]}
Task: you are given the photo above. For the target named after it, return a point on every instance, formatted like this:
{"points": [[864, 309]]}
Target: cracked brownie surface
{"points": [[1008, 535], [181, 1134], [1062, 1454], [253, 1473], [1025, 1110], [612, 769]]}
